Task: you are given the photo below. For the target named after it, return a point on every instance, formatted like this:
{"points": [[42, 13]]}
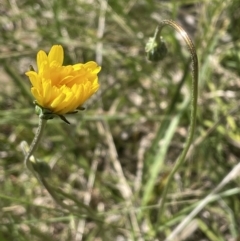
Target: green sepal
{"points": [[81, 108], [62, 117], [31, 68], [46, 114], [43, 113], [73, 112]]}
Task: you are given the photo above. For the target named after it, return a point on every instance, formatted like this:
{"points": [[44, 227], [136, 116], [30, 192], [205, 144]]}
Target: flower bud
{"points": [[156, 48]]}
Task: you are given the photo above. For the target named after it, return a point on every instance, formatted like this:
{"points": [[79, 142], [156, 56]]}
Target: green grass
{"points": [[102, 162]]}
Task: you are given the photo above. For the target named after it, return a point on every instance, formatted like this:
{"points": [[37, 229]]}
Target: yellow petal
{"points": [[47, 92], [37, 96], [33, 78], [77, 66], [41, 59], [58, 101], [56, 55]]}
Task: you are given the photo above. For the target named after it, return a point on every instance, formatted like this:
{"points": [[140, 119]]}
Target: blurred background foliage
{"points": [[104, 158]]}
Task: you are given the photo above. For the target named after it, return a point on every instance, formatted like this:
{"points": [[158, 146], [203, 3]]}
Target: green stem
{"points": [[194, 94], [28, 152], [54, 196], [28, 164], [34, 144]]}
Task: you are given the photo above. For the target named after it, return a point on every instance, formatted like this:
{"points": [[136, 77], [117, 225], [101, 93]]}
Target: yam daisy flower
{"points": [[60, 89]]}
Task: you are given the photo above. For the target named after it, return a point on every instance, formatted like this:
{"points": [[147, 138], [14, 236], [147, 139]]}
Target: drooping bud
{"points": [[156, 48]]}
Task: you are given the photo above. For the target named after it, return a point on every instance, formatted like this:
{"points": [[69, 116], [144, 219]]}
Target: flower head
{"points": [[62, 89]]}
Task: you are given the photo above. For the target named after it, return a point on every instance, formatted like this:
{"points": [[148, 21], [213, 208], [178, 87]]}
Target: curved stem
{"points": [[54, 196], [194, 94], [34, 144], [28, 164], [28, 152]]}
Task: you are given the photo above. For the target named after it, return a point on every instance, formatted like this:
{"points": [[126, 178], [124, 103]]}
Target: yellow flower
{"points": [[62, 89]]}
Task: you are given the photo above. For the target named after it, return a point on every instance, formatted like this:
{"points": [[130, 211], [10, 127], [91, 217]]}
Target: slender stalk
{"points": [[28, 152], [194, 94], [34, 144]]}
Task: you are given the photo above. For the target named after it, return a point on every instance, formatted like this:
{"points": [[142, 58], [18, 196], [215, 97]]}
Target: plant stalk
{"points": [[194, 95]]}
